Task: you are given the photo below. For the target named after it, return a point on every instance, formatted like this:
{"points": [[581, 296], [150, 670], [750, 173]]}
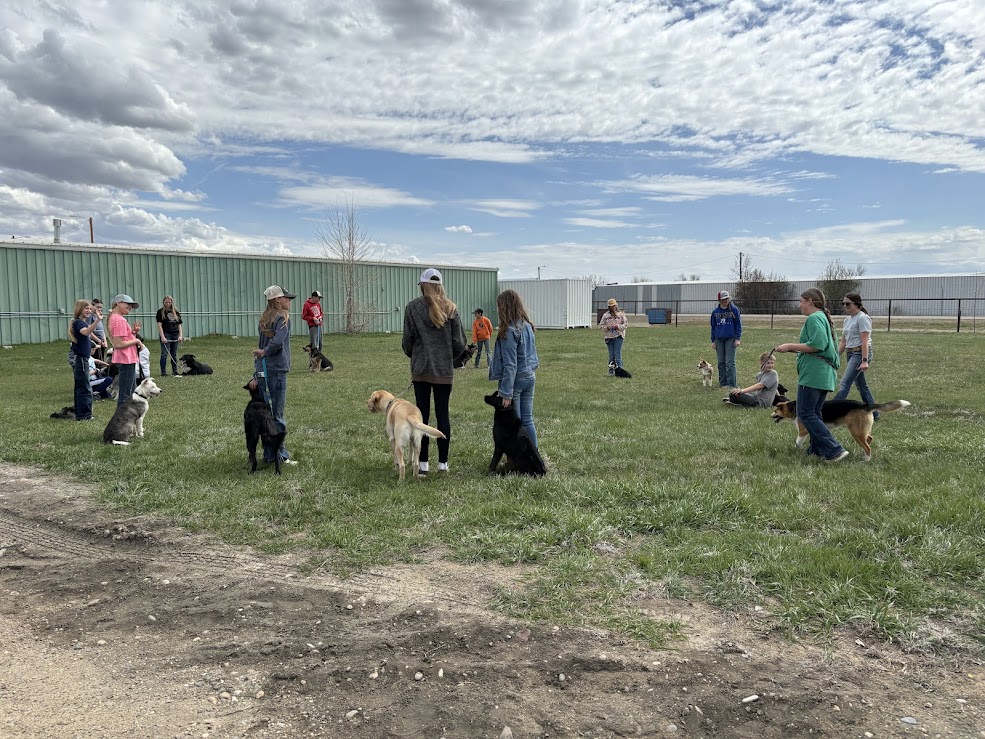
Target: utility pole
{"points": [[740, 266], [543, 266]]}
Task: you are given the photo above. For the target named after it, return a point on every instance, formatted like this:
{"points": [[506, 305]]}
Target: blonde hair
{"points": [[509, 305], [269, 318], [440, 308], [814, 296], [174, 306], [80, 305]]}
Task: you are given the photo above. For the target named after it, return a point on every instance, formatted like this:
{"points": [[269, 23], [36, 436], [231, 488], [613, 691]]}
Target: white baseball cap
{"points": [[317, 294], [431, 276], [276, 291]]}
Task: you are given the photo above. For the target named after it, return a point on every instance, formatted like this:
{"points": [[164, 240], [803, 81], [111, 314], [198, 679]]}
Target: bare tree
{"points": [[344, 240], [758, 292], [688, 278], [596, 280], [837, 280], [641, 278]]}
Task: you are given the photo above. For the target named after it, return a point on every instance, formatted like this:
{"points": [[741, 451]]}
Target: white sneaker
{"points": [[289, 462], [838, 457]]}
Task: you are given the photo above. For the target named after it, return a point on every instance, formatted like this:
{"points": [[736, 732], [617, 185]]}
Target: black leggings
{"points": [[442, 394], [747, 399]]}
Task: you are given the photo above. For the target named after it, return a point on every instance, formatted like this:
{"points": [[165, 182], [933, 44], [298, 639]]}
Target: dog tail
{"points": [[429, 430], [893, 405]]}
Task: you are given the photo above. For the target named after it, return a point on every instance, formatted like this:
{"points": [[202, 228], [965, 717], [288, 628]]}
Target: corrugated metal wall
{"points": [[928, 295], [215, 293], [555, 303]]}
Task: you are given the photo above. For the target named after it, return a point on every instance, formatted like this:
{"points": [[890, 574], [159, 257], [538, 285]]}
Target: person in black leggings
{"points": [[433, 337]]}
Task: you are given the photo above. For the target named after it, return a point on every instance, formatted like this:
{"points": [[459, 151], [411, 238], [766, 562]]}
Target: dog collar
{"points": [[145, 397]]}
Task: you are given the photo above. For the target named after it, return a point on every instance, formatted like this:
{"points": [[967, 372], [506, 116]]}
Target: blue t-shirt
{"points": [[82, 347]]}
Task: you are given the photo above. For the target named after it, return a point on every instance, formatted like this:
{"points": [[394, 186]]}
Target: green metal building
{"points": [[216, 293]]}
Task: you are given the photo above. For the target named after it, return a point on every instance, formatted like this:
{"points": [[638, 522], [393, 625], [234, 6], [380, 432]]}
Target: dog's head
{"points": [[703, 366], [148, 388], [495, 401], [186, 358], [786, 411], [379, 401], [306, 348], [254, 392]]}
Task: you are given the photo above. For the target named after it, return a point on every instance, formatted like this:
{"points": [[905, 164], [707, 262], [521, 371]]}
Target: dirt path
{"points": [[134, 628]]}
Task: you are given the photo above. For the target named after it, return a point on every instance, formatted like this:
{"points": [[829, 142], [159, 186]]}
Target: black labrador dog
{"points": [[191, 366], [511, 438], [259, 424]]}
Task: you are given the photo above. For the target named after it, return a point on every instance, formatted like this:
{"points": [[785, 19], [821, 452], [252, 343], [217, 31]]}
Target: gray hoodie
{"points": [[432, 350]]}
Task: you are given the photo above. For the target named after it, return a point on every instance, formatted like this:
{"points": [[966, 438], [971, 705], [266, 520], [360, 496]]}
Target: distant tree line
{"points": [[758, 292]]}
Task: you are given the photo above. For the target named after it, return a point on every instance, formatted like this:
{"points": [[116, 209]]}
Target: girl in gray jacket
{"points": [[433, 337]]}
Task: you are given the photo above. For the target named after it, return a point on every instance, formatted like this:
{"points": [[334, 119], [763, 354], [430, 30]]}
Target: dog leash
{"points": [[266, 387], [406, 389]]}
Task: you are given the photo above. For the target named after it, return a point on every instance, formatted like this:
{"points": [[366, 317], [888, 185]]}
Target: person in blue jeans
{"points": [[856, 340], [726, 335], [514, 361], [79, 331], [272, 362], [613, 324]]}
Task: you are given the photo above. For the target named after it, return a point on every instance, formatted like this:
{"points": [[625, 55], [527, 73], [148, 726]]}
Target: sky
{"points": [[624, 139]]}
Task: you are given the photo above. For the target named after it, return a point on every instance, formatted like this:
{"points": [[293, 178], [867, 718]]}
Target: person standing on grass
{"points": [[817, 371], [613, 324], [272, 362], [762, 392], [515, 362], [312, 314], [433, 337], [481, 333], [726, 335], [79, 331], [856, 340], [126, 346], [170, 333], [98, 336]]}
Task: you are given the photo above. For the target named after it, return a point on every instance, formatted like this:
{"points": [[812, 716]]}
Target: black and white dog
{"points": [[191, 366], [463, 359], [318, 362], [259, 425], [513, 440], [128, 420]]}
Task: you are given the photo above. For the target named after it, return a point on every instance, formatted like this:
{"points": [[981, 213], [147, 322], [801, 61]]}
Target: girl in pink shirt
{"points": [[125, 345]]}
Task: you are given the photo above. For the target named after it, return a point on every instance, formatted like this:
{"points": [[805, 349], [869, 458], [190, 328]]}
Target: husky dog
{"points": [[191, 366], [128, 421]]}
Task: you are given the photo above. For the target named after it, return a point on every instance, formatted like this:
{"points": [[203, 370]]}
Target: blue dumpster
{"points": [[657, 315]]}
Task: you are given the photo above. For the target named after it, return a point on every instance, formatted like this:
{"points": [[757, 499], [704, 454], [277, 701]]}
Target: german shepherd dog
{"points": [[128, 420], [191, 366], [259, 425], [405, 428], [853, 415], [513, 440], [318, 361]]}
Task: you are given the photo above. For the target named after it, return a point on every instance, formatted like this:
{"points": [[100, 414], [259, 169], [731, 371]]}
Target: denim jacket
{"points": [[515, 356]]}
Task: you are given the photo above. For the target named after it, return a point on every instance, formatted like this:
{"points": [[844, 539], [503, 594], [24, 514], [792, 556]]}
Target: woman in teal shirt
{"points": [[817, 373]]}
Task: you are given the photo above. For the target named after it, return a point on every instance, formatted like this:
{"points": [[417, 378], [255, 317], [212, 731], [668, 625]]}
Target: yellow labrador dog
{"points": [[404, 428]]}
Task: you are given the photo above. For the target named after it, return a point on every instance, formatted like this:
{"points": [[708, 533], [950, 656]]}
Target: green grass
{"points": [[655, 488]]}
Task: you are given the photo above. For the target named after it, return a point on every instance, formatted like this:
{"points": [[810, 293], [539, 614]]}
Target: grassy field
{"points": [[654, 487]]}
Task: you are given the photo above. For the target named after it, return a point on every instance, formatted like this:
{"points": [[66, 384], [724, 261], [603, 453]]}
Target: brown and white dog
{"points": [[318, 362], [705, 373], [856, 417], [405, 428]]}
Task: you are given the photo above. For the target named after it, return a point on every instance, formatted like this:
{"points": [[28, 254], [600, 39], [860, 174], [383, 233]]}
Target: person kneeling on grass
{"points": [[762, 392]]}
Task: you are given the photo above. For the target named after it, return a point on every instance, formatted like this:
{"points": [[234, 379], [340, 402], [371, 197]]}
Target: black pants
{"points": [[748, 399], [442, 394]]}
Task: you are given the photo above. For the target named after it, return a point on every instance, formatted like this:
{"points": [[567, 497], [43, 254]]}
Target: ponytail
{"points": [[814, 296]]}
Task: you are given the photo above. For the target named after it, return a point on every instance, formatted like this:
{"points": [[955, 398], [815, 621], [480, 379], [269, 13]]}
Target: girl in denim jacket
{"points": [[515, 360]]}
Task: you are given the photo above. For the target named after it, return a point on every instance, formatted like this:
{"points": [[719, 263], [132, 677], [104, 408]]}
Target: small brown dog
{"points": [[405, 428], [705, 373], [318, 362]]}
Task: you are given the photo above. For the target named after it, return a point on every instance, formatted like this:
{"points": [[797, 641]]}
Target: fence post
{"points": [[772, 311], [959, 315], [889, 324]]}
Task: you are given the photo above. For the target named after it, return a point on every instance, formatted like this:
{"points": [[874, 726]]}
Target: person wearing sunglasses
{"points": [[856, 340]]}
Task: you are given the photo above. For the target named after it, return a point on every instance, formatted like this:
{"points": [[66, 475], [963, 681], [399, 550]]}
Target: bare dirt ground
{"points": [[132, 627]]}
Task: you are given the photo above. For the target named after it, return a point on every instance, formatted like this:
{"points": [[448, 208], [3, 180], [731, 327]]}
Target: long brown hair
{"points": [[440, 308], [509, 304], [814, 296], [857, 299], [174, 307], [269, 318], [80, 305]]}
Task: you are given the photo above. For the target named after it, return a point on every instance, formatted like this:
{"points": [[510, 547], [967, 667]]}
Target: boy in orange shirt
{"points": [[481, 333]]}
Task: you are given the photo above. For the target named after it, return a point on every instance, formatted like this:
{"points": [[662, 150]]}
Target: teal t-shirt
{"points": [[812, 370]]}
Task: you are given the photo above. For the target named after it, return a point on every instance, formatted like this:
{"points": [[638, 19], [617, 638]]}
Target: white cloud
{"points": [[683, 188], [335, 192], [598, 223], [459, 229], [505, 208]]}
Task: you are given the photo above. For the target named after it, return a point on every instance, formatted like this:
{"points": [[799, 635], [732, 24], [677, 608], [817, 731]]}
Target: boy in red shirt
{"points": [[481, 333], [312, 314]]}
